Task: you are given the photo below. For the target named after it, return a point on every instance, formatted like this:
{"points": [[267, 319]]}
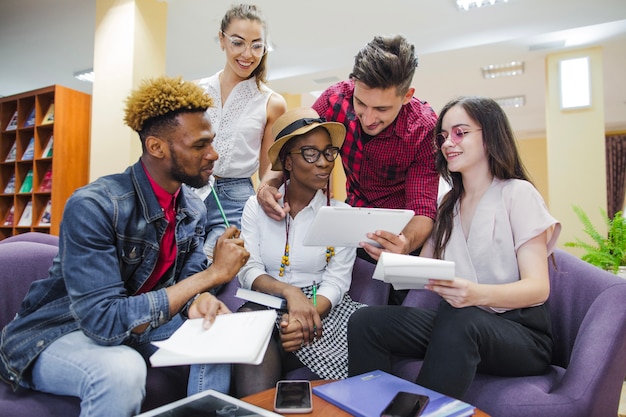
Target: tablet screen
{"points": [[348, 226]]}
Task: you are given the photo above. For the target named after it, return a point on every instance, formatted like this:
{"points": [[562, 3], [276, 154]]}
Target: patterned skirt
{"points": [[328, 356]]}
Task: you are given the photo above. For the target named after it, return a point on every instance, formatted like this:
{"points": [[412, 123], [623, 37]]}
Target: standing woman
{"points": [[495, 226], [242, 116]]}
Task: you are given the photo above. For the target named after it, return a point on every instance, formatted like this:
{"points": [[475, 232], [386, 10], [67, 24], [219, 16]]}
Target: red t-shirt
{"points": [[167, 249]]}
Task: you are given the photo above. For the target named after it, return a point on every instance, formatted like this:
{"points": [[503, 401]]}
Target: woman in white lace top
{"points": [[242, 116]]}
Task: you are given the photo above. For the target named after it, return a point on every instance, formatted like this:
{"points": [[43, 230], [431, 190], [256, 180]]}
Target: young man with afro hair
{"points": [[130, 266]]}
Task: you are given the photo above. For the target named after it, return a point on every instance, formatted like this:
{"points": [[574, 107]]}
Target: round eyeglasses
{"points": [[457, 135], [238, 45], [312, 154]]}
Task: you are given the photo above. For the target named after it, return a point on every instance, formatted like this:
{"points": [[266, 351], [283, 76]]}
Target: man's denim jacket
{"points": [[108, 246]]}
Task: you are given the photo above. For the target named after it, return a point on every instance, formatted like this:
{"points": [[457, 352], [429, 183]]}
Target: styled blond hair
{"points": [[163, 97]]}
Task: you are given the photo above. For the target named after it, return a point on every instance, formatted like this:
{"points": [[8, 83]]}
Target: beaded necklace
{"points": [[330, 250]]}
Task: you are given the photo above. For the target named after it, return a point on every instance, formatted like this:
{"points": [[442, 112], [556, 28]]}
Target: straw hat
{"points": [[297, 122]]}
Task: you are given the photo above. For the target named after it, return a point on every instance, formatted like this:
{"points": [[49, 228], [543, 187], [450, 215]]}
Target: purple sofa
{"points": [[24, 258], [588, 310]]}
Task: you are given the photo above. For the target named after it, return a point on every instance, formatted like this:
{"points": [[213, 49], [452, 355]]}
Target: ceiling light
{"points": [[85, 75], [503, 70], [508, 102], [472, 4]]}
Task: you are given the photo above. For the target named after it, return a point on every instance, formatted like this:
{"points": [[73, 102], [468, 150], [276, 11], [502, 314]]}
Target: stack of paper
{"points": [[407, 272], [233, 338]]}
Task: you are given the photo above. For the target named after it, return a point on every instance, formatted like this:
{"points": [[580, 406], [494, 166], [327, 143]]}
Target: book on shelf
{"points": [[44, 220], [29, 153], [13, 122], [47, 152], [26, 219], [368, 394], [406, 272], [27, 184], [261, 298], [8, 219], [30, 120], [209, 403], [46, 182], [10, 187], [232, 338], [12, 155], [49, 116]]}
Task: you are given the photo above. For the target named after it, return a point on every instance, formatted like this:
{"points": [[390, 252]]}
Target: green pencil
{"points": [[219, 206]]}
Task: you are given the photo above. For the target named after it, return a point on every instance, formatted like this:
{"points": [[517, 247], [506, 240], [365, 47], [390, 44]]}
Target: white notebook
{"points": [[407, 272], [233, 338]]}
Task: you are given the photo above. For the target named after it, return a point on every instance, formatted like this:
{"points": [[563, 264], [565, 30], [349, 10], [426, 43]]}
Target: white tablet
{"points": [[348, 226]]}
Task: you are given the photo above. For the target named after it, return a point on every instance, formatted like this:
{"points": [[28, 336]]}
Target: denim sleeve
{"points": [[91, 266]]}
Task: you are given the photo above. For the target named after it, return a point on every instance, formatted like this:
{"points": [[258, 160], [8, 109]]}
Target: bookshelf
{"points": [[54, 173]]}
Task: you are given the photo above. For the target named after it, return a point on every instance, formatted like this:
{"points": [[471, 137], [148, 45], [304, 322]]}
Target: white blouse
{"points": [[264, 238], [511, 213], [239, 124]]}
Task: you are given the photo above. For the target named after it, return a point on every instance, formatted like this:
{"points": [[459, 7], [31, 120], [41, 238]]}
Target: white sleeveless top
{"points": [[239, 124]]}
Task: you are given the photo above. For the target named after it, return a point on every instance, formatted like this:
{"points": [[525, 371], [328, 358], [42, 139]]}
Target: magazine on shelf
{"points": [[232, 338], [13, 122], [12, 155], [10, 187], [30, 121], [46, 182], [407, 272], [27, 215], [368, 394], [261, 298], [9, 218], [47, 152], [27, 184], [209, 403], [49, 116], [29, 153], [46, 215]]}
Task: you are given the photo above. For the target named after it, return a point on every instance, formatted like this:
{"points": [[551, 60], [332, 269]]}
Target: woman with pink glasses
{"points": [[495, 226]]}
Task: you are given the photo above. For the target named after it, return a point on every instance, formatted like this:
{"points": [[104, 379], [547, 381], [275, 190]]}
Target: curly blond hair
{"points": [[163, 95]]}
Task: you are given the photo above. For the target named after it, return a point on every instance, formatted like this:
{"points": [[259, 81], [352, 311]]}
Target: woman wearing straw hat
{"points": [[312, 331]]}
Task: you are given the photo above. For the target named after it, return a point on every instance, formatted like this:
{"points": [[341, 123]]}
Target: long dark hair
{"points": [[502, 154]]}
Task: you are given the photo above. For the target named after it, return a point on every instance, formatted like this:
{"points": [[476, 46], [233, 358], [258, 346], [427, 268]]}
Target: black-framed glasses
{"points": [[311, 154], [238, 45], [457, 135]]}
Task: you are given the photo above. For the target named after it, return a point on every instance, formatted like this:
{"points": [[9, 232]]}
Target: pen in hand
{"points": [[219, 206], [314, 297]]}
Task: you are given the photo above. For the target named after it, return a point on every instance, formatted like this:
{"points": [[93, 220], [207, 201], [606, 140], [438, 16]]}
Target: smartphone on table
{"points": [[293, 396], [405, 404]]}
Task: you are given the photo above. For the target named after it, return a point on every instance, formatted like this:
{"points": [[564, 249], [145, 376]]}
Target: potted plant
{"points": [[607, 252]]}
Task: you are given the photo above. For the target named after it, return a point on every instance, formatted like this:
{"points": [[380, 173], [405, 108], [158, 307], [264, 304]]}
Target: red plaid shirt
{"points": [[394, 169]]}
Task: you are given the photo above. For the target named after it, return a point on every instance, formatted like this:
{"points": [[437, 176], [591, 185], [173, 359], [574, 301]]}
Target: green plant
{"points": [[609, 252]]}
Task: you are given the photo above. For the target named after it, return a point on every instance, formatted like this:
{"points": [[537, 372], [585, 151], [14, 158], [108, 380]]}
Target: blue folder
{"points": [[368, 394]]}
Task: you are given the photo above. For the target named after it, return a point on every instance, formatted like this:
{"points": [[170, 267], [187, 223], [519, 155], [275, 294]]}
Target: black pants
{"points": [[454, 343]]}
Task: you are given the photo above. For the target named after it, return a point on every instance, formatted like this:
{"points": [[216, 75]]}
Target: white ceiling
{"points": [[43, 42]]}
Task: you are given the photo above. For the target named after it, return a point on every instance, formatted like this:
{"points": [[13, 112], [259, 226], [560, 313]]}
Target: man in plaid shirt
{"points": [[388, 155]]}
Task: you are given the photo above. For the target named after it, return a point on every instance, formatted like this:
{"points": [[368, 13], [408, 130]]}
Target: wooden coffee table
{"points": [[265, 400]]}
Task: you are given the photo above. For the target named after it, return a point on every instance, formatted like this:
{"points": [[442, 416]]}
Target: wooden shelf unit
{"points": [[69, 161]]}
